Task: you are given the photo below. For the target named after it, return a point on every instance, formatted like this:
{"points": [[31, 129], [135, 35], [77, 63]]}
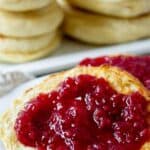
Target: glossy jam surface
{"points": [[139, 66], [85, 113]]}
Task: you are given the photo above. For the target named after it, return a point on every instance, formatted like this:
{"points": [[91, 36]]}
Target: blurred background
{"points": [[42, 37]]}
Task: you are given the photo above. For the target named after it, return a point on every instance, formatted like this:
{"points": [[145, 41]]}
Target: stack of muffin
{"points": [[106, 21], [28, 29]]}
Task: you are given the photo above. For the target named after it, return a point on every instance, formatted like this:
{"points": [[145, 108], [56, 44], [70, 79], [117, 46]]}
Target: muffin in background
{"points": [[29, 35], [97, 28]]}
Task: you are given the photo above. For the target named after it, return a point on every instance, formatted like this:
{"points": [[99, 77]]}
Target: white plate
{"points": [[6, 101], [71, 53]]}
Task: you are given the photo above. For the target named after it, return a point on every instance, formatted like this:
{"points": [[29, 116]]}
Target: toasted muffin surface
{"points": [[119, 80]]}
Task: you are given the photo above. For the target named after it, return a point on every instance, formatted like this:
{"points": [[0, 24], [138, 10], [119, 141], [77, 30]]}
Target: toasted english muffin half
{"points": [[31, 23], [118, 79], [119, 8], [23, 5], [20, 56], [100, 29]]}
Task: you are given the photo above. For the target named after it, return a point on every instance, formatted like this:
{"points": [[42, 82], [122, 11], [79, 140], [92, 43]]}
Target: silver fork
{"points": [[10, 80]]}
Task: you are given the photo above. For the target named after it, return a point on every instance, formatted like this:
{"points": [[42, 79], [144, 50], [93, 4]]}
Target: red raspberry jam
{"points": [[139, 66], [85, 113]]}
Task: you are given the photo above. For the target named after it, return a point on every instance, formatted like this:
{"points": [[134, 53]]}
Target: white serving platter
{"points": [[71, 52]]}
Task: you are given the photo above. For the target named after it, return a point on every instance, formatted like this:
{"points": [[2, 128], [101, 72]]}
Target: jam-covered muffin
{"points": [[139, 66], [86, 108]]}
